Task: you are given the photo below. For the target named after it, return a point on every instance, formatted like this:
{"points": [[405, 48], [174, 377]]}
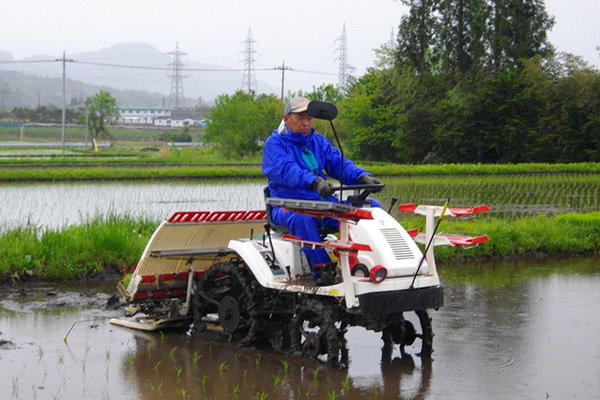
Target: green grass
{"points": [[528, 236], [50, 174], [105, 244], [99, 245]]}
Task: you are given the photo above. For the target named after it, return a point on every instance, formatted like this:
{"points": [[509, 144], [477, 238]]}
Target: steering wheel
{"points": [[365, 190]]}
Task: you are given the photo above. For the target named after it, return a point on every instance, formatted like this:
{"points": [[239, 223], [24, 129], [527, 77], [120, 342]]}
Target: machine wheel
{"points": [[403, 333], [399, 331], [427, 335], [223, 289], [317, 330]]}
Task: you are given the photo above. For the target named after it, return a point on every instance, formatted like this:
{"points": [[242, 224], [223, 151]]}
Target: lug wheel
{"points": [[402, 332], [426, 335], [316, 331], [223, 290]]}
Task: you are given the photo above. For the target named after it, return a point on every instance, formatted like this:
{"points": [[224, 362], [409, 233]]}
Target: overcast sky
{"points": [[301, 33]]}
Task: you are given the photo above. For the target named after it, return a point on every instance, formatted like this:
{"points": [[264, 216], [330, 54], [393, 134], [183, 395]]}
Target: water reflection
{"points": [[527, 338]]}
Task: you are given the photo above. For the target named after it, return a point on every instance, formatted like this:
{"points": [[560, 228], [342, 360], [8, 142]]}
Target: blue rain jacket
{"points": [[288, 174]]}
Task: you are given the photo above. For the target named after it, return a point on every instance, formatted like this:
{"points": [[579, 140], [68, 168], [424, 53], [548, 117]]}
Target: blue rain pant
{"points": [[307, 228]]}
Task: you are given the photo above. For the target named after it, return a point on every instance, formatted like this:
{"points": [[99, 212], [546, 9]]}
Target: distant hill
{"points": [[40, 77], [24, 90]]}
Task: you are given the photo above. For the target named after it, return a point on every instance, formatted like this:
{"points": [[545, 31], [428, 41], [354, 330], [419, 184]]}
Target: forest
{"points": [[468, 81], [475, 82]]}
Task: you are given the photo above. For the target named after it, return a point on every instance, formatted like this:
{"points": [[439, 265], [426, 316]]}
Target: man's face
{"points": [[299, 122]]}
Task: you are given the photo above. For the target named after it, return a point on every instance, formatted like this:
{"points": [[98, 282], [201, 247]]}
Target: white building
{"points": [[174, 122], [142, 115]]}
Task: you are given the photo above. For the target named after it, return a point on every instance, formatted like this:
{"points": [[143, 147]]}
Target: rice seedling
{"points": [[346, 384], [40, 353], [172, 353], [157, 365], [276, 379], [261, 396], [196, 357], [15, 386], [203, 382], [223, 367], [375, 392], [332, 395], [183, 394], [257, 361], [154, 389], [236, 389], [178, 369], [286, 365], [238, 354], [316, 373]]}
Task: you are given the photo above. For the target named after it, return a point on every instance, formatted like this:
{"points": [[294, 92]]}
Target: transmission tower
{"points": [[345, 68], [249, 77], [176, 98], [391, 43]]}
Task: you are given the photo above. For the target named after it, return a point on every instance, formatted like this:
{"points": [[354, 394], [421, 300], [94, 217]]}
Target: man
{"points": [[294, 161]]}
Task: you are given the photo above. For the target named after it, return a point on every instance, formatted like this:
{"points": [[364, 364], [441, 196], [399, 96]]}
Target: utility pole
{"points": [[282, 68], [87, 112], [64, 96], [249, 77], [3, 92]]}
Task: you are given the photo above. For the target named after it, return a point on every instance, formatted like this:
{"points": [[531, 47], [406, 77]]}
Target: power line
{"points": [[167, 69]]}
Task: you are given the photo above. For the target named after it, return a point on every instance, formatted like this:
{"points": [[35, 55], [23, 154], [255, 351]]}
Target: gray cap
{"points": [[296, 105]]}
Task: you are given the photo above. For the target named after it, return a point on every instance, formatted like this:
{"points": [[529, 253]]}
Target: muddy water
{"points": [[507, 331], [514, 330]]}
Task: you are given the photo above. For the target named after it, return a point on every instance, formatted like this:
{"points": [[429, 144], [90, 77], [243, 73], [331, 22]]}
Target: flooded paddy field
{"points": [[526, 331], [55, 205]]}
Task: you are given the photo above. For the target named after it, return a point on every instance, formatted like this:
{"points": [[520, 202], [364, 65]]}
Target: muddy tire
{"points": [[317, 330], [223, 290]]}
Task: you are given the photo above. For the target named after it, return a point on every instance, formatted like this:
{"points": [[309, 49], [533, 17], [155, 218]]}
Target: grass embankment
{"points": [[106, 244], [102, 245], [189, 168]]}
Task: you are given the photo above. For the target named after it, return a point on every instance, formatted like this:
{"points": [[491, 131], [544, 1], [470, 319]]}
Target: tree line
{"points": [[468, 81], [475, 81]]}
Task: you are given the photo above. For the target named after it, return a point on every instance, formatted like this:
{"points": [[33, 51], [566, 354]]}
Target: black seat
{"points": [[274, 227], [323, 230]]}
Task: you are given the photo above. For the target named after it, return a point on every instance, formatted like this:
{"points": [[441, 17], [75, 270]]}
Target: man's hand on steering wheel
{"points": [[324, 188], [369, 180]]}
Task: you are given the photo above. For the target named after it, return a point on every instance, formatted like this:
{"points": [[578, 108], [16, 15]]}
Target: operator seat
{"points": [[323, 230], [273, 225]]}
